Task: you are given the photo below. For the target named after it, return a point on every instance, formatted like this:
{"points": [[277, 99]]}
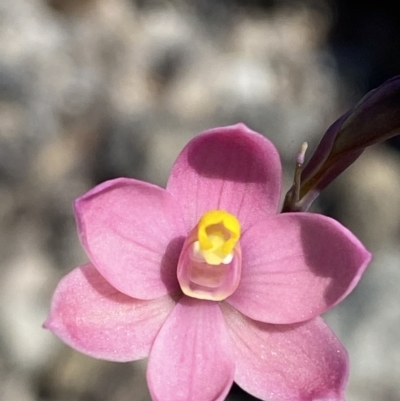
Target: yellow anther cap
{"points": [[218, 232]]}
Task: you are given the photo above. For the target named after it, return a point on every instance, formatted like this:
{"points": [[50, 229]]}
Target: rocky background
{"points": [[95, 89]]}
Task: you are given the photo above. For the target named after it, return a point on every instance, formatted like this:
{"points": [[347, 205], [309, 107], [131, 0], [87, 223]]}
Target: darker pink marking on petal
{"points": [[297, 266], [133, 233], [230, 168], [297, 362], [191, 357], [93, 317]]}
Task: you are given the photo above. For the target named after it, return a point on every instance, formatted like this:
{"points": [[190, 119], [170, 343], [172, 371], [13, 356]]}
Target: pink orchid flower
{"points": [[206, 279]]}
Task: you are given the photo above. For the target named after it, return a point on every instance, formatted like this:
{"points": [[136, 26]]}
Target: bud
{"points": [[374, 119]]}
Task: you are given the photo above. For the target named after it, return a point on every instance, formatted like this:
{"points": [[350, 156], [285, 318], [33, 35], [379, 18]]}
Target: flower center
{"points": [[210, 263]]}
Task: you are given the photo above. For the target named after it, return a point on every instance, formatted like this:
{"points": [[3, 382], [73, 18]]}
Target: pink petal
{"points": [[297, 362], [296, 266], [91, 316], [191, 356], [133, 233], [230, 168]]}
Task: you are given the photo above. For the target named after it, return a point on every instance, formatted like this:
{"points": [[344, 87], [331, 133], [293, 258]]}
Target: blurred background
{"points": [[96, 89]]}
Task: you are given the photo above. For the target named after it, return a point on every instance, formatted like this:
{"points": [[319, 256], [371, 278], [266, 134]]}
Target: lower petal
{"points": [[191, 357], [93, 317], [297, 362]]}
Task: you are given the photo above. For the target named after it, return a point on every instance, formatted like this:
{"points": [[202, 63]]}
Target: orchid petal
{"points": [[296, 266], [93, 317], [133, 233], [191, 356], [229, 168], [297, 362]]}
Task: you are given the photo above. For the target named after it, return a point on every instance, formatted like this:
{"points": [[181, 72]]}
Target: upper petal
{"points": [[93, 317], [296, 266], [191, 357], [230, 168], [297, 362], [132, 232]]}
